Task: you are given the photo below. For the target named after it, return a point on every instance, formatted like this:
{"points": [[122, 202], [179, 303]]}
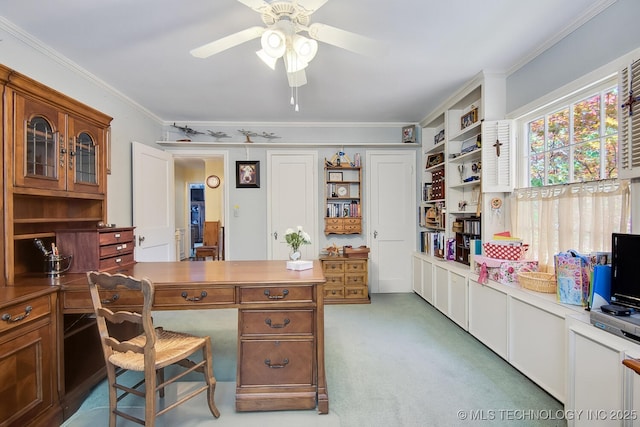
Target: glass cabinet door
{"points": [[40, 151], [85, 156]]}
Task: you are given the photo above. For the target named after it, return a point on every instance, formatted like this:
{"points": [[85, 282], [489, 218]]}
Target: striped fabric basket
{"points": [[508, 252]]}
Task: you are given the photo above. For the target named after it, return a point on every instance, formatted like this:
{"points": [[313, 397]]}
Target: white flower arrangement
{"points": [[297, 238]]}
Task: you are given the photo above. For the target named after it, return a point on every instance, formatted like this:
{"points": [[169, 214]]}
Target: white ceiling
{"points": [[141, 48]]}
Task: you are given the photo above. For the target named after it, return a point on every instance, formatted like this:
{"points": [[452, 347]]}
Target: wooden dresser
{"points": [[347, 280], [103, 249]]}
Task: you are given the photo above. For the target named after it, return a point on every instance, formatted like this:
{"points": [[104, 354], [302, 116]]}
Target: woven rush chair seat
{"points": [[149, 352]]}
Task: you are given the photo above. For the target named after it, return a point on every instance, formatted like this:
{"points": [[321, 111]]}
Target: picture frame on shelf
{"points": [[438, 138], [342, 190], [335, 176], [434, 160], [247, 174], [409, 134], [469, 118]]}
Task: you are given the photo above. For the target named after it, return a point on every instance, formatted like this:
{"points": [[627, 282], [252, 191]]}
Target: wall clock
{"points": [[342, 190], [213, 181]]}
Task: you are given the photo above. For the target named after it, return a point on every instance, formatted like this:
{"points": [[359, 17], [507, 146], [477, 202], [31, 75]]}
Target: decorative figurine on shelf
{"points": [[333, 250], [339, 159], [248, 134]]}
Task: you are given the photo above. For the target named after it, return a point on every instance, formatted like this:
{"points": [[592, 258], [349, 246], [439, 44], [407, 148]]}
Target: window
{"points": [[572, 140]]}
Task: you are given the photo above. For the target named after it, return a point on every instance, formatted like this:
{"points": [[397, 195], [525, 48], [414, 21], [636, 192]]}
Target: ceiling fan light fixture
{"points": [[305, 48], [274, 43], [267, 59]]}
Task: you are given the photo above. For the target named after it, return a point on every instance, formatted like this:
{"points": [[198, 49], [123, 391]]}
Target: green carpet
{"points": [[394, 362]]}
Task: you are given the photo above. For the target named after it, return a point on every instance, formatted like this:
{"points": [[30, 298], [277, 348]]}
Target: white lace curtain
{"points": [[579, 216]]}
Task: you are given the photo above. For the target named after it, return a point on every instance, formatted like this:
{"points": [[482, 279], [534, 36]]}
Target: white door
{"points": [[292, 189], [153, 203], [391, 196]]}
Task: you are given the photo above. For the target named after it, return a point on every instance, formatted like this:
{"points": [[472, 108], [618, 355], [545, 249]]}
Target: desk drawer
{"points": [[110, 299], [276, 294], [114, 250], [113, 237], [26, 312], [280, 322], [194, 297], [355, 279], [271, 362], [356, 292], [116, 262], [333, 292]]}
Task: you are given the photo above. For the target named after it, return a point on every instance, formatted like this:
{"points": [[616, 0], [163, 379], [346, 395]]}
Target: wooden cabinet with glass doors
{"points": [[56, 159]]}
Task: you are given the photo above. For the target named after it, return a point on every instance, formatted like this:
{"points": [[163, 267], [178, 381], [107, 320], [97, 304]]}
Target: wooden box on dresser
{"points": [[101, 249], [55, 178], [347, 280]]}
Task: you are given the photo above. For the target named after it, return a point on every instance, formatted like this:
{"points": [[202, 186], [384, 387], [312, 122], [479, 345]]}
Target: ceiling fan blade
{"points": [[345, 39], [257, 5], [297, 79], [311, 6], [227, 42]]}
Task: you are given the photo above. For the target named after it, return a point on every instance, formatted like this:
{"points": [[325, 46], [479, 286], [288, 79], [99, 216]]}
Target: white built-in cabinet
{"points": [[525, 328]]}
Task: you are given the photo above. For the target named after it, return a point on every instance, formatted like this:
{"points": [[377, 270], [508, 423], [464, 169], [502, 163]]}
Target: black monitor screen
{"points": [[625, 274]]}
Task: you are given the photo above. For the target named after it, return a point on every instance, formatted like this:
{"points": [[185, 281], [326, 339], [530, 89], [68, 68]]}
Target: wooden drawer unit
{"points": [[276, 362], [28, 361], [343, 226], [104, 249], [347, 280]]}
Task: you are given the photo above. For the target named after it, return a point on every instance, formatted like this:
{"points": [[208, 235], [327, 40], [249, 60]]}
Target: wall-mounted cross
{"points": [[497, 145], [630, 101]]}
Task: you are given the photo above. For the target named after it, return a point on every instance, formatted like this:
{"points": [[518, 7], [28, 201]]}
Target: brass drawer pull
{"points": [[202, 296], [113, 299], [7, 317], [284, 363], [277, 325], [285, 292]]}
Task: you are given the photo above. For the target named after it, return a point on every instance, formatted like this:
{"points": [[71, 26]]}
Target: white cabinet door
{"points": [[488, 317], [417, 274], [441, 287], [458, 299], [427, 281], [537, 343], [595, 375]]}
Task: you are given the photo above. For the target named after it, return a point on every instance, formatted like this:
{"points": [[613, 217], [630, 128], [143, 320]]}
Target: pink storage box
{"points": [[503, 270]]}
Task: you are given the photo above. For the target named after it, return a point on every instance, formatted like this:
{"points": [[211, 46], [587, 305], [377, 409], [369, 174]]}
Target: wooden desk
{"points": [[280, 322]]}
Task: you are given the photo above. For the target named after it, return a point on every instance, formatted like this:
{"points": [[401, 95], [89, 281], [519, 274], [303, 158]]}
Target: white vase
{"points": [[295, 255]]}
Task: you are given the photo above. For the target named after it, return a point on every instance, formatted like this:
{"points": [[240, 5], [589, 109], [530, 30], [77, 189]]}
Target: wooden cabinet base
{"points": [[257, 400], [347, 280]]}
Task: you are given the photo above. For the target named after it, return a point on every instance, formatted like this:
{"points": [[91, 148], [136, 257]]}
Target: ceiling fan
{"points": [[284, 20]]}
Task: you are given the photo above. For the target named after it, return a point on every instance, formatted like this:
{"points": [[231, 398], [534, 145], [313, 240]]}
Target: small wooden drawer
{"points": [[110, 299], [357, 292], [351, 221], [333, 266], [333, 292], [194, 297], [334, 222], [355, 266], [116, 236], [17, 315], [355, 279], [276, 362], [281, 322], [115, 262], [276, 294], [334, 279], [114, 250]]}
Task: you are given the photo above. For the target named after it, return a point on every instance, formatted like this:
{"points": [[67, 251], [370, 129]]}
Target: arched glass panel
{"points": [[41, 148], [85, 158]]}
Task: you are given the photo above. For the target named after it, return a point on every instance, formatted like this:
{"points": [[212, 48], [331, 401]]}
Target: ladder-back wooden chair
{"points": [[210, 246], [148, 353]]}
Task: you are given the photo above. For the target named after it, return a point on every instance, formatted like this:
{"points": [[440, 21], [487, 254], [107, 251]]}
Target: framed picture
{"points": [[434, 160], [342, 190], [469, 118], [409, 134], [439, 137], [247, 174], [335, 176]]}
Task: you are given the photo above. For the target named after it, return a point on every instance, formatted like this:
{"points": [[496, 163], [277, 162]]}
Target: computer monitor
{"points": [[625, 271]]}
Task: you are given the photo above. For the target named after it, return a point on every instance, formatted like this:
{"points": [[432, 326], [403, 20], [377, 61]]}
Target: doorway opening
{"points": [[197, 212]]}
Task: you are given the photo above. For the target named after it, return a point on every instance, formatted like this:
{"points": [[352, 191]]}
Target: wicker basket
{"points": [[537, 281]]}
